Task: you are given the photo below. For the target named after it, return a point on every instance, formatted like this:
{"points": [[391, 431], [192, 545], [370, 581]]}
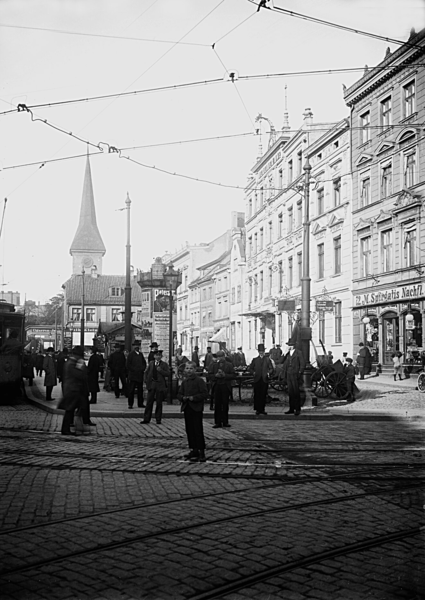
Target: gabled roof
{"points": [[87, 237], [97, 290]]}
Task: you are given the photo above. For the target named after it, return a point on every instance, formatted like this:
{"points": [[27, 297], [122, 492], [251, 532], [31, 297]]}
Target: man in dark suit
{"points": [[261, 367], [195, 356], [116, 363], [221, 373], [292, 374], [239, 359], [156, 376], [154, 348], [136, 366]]}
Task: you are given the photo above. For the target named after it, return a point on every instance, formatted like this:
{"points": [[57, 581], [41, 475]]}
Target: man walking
{"points": [[75, 388], [93, 370], [195, 356], [292, 374], [116, 364], [261, 367], [364, 360], [49, 368], [156, 376], [221, 374], [136, 366]]}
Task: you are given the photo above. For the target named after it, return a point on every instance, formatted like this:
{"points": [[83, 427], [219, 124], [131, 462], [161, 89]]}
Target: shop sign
{"points": [[286, 305], [325, 305], [405, 292]]}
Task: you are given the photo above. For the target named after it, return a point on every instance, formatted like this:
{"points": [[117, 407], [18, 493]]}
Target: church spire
{"points": [[87, 247]]}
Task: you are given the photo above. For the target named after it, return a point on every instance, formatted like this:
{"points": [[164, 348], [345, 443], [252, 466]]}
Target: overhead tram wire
{"points": [[233, 80], [297, 15], [232, 30], [100, 35], [209, 82]]}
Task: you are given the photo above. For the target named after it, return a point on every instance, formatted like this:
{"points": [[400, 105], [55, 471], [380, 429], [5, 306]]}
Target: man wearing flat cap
{"points": [[261, 368], [156, 376], [292, 374], [136, 366]]}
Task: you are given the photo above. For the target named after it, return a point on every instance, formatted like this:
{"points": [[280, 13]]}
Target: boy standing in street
{"points": [[192, 394], [350, 374]]}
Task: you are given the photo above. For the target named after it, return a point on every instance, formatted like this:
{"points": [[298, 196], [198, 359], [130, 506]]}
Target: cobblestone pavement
{"points": [[287, 509]]}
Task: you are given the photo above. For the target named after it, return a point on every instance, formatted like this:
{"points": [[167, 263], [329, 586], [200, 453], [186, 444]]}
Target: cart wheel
{"points": [[421, 382], [277, 385], [315, 379], [338, 384], [323, 388]]}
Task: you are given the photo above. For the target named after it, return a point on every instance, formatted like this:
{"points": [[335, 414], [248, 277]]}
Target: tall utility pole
{"points": [[305, 279], [127, 307], [82, 311]]}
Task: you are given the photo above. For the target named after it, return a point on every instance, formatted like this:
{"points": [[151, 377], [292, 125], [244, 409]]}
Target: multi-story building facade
{"points": [[387, 113], [330, 239], [274, 234]]}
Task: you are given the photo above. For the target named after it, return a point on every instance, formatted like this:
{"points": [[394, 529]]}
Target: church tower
{"points": [[87, 249]]}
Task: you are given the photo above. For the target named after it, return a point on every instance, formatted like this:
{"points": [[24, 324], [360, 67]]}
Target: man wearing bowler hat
{"points": [[292, 374], [151, 355], [116, 363], [261, 368], [156, 376], [136, 366]]}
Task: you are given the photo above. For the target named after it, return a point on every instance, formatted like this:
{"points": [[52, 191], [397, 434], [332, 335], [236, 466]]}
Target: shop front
{"points": [[389, 321]]}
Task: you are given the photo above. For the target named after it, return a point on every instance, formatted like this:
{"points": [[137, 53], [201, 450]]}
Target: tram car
{"points": [[12, 333]]}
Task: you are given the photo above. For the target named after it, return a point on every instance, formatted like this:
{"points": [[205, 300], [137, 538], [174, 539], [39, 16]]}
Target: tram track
{"points": [[266, 574]]}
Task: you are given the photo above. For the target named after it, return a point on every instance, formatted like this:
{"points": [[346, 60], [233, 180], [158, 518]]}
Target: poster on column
{"points": [[161, 329]]}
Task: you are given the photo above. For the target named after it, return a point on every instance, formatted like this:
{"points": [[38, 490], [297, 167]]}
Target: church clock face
{"points": [[87, 261]]}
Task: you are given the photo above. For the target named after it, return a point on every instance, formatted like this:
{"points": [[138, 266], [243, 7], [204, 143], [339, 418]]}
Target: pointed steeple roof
{"points": [[87, 237]]}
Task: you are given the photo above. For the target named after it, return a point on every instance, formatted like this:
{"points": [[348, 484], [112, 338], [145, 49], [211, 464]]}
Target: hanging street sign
{"points": [[325, 305]]}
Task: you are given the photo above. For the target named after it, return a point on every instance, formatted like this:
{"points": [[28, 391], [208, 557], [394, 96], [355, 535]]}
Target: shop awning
{"points": [[220, 336]]}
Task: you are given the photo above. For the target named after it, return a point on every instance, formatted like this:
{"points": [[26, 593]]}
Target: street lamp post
{"points": [[305, 329], [127, 305], [82, 311], [172, 281]]}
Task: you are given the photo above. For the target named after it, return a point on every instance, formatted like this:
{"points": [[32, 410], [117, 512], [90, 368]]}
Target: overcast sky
{"points": [[41, 67]]}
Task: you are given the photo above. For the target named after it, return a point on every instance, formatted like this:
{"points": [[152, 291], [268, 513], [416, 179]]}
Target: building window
{"points": [[280, 225], [409, 246], [299, 162], [386, 250], [219, 309], [321, 261], [233, 295], [409, 104], [280, 276], [386, 112], [249, 334], [204, 319], [116, 291], [261, 239], [322, 326], [115, 314], [204, 294], [337, 255], [338, 322], [365, 256], [210, 319], [280, 179], [290, 171], [250, 291], [261, 284], [255, 243], [364, 191], [250, 246], [91, 314], [249, 208], [255, 288], [299, 213], [225, 283], [386, 180], [210, 293], [261, 196], [299, 267], [270, 232], [410, 170], [290, 271], [238, 293], [290, 219], [255, 202], [365, 127], [76, 314], [270, 281], [320, 201], [337, 191]]}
